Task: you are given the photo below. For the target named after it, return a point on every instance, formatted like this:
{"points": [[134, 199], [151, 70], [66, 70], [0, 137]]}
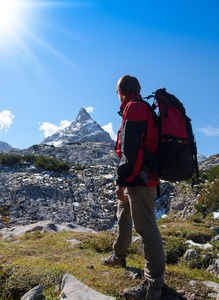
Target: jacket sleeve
{"points": [[133, 131]]}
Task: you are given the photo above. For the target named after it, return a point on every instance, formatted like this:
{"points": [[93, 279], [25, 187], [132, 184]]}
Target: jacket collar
{"points": [[126, 101]]}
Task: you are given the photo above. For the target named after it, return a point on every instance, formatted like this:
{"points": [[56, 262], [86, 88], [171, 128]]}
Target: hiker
{"points": [[136, 190]]}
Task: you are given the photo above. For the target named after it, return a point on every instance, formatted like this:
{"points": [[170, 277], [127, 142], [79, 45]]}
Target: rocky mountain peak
{"points": [[83, 116], [82, 129]]}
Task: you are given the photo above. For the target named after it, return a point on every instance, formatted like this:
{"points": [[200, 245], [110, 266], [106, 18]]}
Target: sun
{"points": [[10, 16], [18, 21]]}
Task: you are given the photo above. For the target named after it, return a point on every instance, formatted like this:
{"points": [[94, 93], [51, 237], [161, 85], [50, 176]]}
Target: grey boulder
{"points": [[72, 289]]}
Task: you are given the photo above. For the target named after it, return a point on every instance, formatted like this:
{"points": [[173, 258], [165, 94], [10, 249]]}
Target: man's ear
{"points": [[122, 97]]}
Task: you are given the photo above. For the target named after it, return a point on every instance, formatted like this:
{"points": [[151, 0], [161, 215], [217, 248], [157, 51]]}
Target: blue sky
{"points": [[59, 56]]}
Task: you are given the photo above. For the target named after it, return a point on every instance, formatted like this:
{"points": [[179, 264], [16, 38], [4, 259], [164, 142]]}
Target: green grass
{"points": [[42, 258]]}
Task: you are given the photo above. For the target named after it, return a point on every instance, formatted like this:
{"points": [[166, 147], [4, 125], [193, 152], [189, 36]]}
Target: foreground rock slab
{"points": [[47, 226], [34, 294], [73, 289]]}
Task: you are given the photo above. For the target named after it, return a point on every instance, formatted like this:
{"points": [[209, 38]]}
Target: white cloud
{"points": [[64, 124], [50, 128], [109, 128], [5, 119], [209, 131], [89, 109]]}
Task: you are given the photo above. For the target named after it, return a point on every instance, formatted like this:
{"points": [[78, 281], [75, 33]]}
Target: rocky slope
{"points": [[84, 154], [84, 195], [210, 162]]}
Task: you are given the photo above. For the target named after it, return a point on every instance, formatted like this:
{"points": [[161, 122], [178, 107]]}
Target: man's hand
{"points": [[120, 193]]}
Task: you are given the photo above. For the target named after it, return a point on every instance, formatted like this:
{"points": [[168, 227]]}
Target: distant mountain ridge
{"points": [[5, 146], [82, 129], [201, 158]]}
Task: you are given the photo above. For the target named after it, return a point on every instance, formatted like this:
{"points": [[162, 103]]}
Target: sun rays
{"points": [[18, 27]]}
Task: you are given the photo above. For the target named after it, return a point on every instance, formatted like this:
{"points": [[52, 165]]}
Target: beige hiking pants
{"points": [[141, 209]]}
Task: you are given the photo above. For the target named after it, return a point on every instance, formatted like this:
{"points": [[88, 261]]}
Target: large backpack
{"points": [[176, 159]]}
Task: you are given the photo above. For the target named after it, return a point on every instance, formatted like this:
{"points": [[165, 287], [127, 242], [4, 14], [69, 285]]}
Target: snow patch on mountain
{"points": [[201, 158]]}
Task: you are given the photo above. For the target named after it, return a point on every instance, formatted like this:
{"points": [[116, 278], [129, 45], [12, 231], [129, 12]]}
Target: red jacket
{"points": [[136, 144]]}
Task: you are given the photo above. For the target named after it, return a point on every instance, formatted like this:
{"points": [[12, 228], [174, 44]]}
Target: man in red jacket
{"points": [[136, 190]]}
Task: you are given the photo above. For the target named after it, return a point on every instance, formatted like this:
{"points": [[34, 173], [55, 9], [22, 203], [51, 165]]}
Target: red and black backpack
{"points": [[176, 159]]}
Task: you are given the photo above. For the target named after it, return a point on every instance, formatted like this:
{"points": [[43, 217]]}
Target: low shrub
{"points": [[196, 218], [210, 174], [200, 238], [79, 167], [45, 162], [4, 213], [174, 250], [99, 243], [208, 201], [10, 159], [200, 261], [51, 164]]}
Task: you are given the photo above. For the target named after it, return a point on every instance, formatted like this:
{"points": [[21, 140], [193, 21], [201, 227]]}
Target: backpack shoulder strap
{"points": [[148, 105], [151, 157]]}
